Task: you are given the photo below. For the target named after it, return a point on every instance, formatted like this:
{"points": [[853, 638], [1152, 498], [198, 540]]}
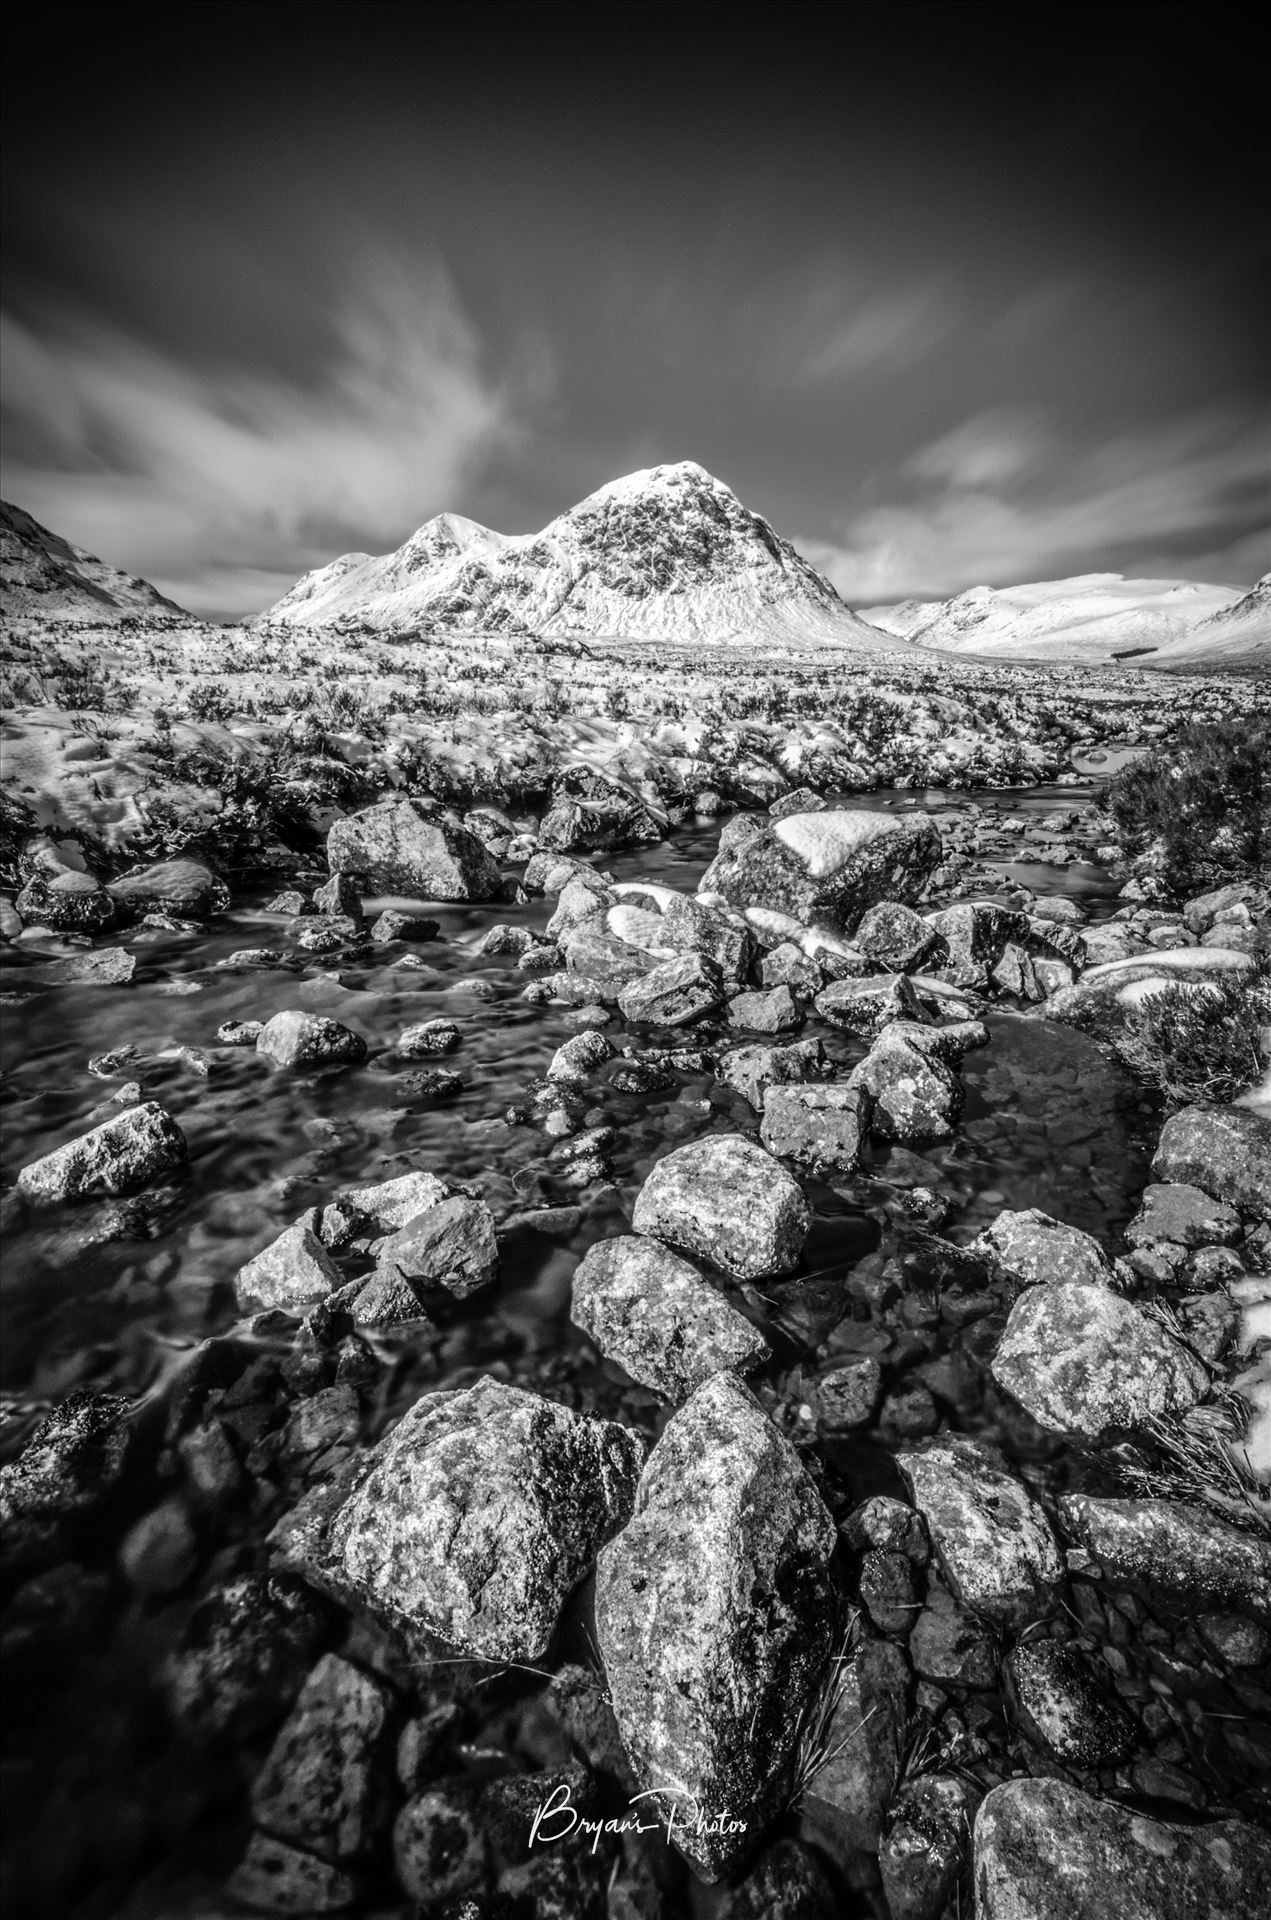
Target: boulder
{"points": [[819, 1126], [477, 1515], [846, 1799], [950, 1644], [750, 1071], [725, 1200], [846, 1394], [183, 887], [713, 1619], [120, 1156], [590, 812], [579, 1057], [1185, 1215], [1184, 1556], [1045, 1850], [869, 1004], [1040, 1250], [381, 1207], [789, 966], [827, 868], [1081, 1360], [298, 1039], [294, 1272], [1225, 1151], [318, 1787], [773, 1010], [428, 1037], [451, 1244], [652, 1312], [67, 902], [991, 1538], [400, 847], [674, 993], [914, 1097], [973, 937], [895, 937]]}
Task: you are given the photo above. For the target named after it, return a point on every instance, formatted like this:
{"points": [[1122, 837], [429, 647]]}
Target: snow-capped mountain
{"points": [[1097, 618], [667, 553], [43, 574]]}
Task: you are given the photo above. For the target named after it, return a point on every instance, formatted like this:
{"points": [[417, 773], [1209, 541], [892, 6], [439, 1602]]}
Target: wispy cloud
{"points": [[1003, 499], [832, 324], [219, 483]]}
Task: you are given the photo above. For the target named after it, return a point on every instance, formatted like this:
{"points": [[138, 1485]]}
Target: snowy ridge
{"points": [[667, 553], [43, 574], [1094, 618]]}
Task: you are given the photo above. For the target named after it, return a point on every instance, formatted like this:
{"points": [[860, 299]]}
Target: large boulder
{"points": [[1082, 1360], [725, 1200], [991, 1538], [713, 1618], [1184, 1556], [1225, 1151], [827, 868], [120, 1156], [399, 846], [477, 1515], [653, 1313], [1045, 1850]]}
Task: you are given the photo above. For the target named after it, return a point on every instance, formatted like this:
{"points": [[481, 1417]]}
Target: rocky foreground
{"points": [[949, 1572]]}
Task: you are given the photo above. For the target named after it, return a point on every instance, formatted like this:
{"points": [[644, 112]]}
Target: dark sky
{"points": [[952, 294]]}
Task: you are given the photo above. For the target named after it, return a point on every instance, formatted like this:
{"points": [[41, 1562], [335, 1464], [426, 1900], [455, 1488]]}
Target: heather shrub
{"points": [[1201, 1043], [1201, 805]]}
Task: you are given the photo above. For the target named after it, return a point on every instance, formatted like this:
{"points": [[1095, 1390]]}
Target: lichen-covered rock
{"points": [[713, 1618], [1040, 1250], [845, 1801], [826, 868], [672, 994], [991, 1538], [752, 1070], [817, 1126], [1046, 1851], [1183, 1214], [928, 1838], [293, 1272], [183, 887], [950, 1644], [895, 936], [870, 1003], [1225, 1151], [70, 1465], [846, 1394], [120, 1156], [294, 1038], [727, 1201], [1080, 1359], [399, 846], [479, 1513], [914, 1098], [318, 1786], [1065, 1707], [652, 1312], [1184, 1556], [973, 938], [590, 813], [578, 1058], [451, 1244]]}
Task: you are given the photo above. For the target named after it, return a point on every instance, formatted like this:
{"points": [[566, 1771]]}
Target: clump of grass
{"points": [[1201, 1459], [1201, 804], [817, 1741], [1199, 1042]]}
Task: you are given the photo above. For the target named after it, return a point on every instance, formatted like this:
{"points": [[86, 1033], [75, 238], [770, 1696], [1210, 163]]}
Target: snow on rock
{"points": [[668, 552], [828, 868]]}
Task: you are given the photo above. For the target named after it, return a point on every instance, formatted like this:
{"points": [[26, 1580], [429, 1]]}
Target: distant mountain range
{"points": [[669, 553], [40, 573], [1097, 618]]}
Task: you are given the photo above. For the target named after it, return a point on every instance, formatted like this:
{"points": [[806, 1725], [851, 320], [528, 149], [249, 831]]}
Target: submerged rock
{"points": [[1185, 1556], [713, 1618], [827, 868], [479, 1513], [727, 1201], [298, 1039], [991, 1538], [1046, 1851], [400, 847], [1038, 1249], [1225, 1151], [1080, 1359], [70, 1465], [652, 1312], [120, 1156]]}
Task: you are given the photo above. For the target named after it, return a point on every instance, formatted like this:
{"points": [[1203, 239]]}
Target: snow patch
{"points": [[825, 842]]}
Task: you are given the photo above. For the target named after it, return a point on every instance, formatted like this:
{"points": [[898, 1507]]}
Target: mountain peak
{"points": [[43, 574]]}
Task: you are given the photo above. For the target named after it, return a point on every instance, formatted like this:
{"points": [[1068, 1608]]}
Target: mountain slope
{"points": [[42, 574], [1092, 618], [667, 553]]}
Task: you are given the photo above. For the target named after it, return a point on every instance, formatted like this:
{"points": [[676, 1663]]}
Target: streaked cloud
{"points": [[1004, 498], [214, 482]]}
